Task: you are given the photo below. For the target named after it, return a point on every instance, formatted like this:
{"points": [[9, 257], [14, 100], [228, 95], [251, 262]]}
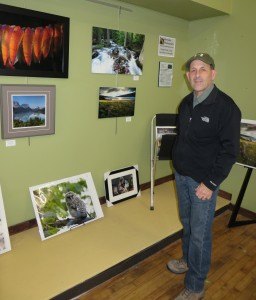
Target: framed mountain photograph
{"points": [[27, 110]]}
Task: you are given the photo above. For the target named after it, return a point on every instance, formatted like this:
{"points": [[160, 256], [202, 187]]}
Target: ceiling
{"points": [[185, 9]]}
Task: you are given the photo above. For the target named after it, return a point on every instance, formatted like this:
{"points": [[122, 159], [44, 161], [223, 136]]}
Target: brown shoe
{"points": [[189, 295], [177, 266]]}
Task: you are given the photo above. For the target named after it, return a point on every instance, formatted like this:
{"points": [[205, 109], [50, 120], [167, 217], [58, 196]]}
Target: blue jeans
{"points": [[196, 217]]}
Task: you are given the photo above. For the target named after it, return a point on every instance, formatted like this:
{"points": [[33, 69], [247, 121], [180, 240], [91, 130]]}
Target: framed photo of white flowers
{"points": [[5, 244], [65, 204], [122, 184]]}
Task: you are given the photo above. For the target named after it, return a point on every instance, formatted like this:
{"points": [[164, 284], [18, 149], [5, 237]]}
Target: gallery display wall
{"points": [[82, 142]]}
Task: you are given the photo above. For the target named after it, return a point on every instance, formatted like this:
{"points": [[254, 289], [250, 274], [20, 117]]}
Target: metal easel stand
{"points": [[153, 154], [232, 221]]}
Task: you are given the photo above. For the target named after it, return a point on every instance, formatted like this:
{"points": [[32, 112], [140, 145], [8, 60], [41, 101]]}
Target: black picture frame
{"points": [[130, 187], [39, 43]]}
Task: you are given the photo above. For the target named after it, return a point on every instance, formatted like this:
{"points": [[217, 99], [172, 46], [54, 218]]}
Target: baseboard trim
{"points": [[32, 223], [225, 195], [244, 212], [123, 265]]}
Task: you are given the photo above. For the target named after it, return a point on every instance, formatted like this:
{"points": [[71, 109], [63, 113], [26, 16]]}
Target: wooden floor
{"points": [[232, 275]]}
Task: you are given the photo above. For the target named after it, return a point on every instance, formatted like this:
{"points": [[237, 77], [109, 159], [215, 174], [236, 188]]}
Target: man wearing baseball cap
{"points": [[205, 150]]}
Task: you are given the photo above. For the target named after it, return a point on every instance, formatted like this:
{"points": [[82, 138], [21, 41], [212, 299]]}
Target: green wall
{"points": [[231, 40], [82, 142]]}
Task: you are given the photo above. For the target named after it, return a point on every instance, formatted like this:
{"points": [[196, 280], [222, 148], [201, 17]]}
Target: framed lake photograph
{"points": [[116, 102], [117, 52], [65, 204], [33, 43], [247, 153], [5, 244], [122, 184], [27, 110]]}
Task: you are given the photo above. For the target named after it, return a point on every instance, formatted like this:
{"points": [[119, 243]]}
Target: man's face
{"points": [[200, 76]]}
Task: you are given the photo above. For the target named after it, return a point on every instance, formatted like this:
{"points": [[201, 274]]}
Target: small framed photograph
{"points": [[163, 130], [33, 43], [122, 184], [247, 153], [27, 110], [5, 244], [116, 102], [65, 204]]}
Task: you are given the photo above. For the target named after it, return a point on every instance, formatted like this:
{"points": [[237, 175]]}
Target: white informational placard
{"points": [[165, 74], [166, 46]]}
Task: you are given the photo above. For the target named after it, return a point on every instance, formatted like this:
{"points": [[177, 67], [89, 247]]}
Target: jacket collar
{"points": [[209, 100]]}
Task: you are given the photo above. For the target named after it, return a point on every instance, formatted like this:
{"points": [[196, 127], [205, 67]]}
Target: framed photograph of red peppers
{"points": [[33, 43]]}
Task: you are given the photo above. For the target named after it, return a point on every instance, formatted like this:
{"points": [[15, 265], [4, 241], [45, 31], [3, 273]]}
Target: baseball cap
{"points": [[205, 57]]}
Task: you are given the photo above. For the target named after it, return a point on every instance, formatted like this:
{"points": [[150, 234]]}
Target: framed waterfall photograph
{"points": [[117, 52], [122, 184], [5, 244], [27, 110], [65, 204], [33, 43]]}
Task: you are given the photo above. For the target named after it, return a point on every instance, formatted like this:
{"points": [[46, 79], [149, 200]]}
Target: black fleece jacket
{"points": [[207, 144]]}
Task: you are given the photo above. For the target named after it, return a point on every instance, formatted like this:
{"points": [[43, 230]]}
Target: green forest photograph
{"points": [[117, 52]]}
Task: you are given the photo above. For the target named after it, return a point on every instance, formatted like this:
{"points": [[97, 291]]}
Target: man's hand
{"points": [[203, 192]]}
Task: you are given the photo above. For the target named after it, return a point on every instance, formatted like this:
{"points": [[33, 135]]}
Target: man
{"points": [[204, 152]]}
